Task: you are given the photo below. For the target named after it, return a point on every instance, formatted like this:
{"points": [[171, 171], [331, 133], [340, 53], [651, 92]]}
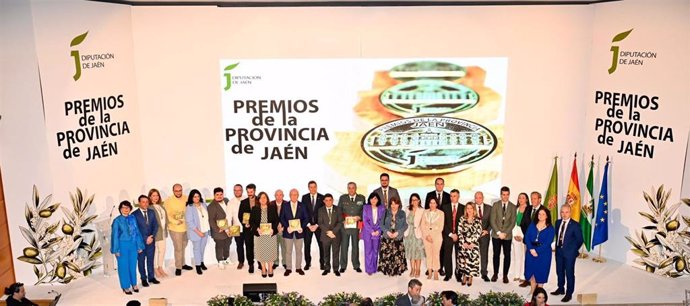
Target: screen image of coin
{"points": [[427, 70], [348, 162], [428, 97], [428, 144]]}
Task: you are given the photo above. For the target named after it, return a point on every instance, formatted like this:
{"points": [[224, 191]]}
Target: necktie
{"points": [[385, 197], [455, 210], [562, 232], [352, 199], [532, 215], [480, 210], [329, 215], [438, 198], [146, 217], [313, 201]]}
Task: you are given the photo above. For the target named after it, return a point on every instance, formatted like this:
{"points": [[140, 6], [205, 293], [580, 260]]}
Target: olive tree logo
{"points": [[228, 75], [75, 53], [614, 49]]}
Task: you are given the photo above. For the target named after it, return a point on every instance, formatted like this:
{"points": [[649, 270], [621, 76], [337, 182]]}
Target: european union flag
{"points": [[601, 222]]}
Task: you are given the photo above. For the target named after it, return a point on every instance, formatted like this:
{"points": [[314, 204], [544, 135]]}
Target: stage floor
{"points": [[615, 283]]}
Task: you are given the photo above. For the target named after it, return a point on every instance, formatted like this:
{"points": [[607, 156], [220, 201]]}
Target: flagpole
{"points": [[599, 258]]}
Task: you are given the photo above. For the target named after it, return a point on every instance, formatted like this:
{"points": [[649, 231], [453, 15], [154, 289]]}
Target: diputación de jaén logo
{"points": [[615, 49], [75, 53], [228, 75]]}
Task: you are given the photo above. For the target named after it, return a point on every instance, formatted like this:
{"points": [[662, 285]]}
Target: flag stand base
{"points": [[599, 259], [583, 255]]}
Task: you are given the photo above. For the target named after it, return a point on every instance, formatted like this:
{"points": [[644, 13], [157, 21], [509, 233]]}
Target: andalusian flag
{"points": [[587, 209], [601, 227], [551, 197], [573, 197]]}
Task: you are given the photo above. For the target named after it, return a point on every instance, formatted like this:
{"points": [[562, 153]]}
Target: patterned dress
{"points": [[265, 247], [392, 259], [467, 261], [414, 247]]}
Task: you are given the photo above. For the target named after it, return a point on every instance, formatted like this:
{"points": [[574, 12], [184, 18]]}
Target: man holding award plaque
{"points": [[218, 220], [235, 224], [293, 218], [244, 214], [351, 204], [175, 207], [278, 203]]}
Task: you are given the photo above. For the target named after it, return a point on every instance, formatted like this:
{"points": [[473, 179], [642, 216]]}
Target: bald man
{"points": [[294, 235]]}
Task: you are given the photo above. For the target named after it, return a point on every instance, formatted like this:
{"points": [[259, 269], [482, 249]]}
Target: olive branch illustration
{"points": [[60, 256]]}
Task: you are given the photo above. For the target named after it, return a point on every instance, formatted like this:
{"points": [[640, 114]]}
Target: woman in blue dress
{"points": [[126, 243], [538, 240]]}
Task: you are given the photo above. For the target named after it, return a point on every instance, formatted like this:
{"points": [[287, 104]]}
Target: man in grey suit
{"points": [[413, 296], [351, 204], [330, 219], [484, 213], [503, 214], [386, 192]]}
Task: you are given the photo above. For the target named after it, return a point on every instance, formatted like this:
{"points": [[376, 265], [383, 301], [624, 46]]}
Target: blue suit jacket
{"points": [[572, 239], [286, 215], [193, 222], [146, 230]]}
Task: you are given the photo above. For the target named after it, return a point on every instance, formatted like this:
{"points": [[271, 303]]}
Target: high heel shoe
{"points": [[428, 273], [463, 280], [127, 292], [135, 289], [469, 281], [436, 275]]}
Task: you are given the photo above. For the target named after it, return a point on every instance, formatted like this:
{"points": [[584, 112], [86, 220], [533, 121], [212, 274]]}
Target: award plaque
{"points": [[222, 224], [179, 215], [294, 224], [234, 231], [265, 229], [350, 222], [245, 218]]}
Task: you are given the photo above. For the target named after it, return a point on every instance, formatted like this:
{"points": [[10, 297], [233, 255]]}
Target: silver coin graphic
{"points": [[427, 70], [428, 144], [428, 97]]}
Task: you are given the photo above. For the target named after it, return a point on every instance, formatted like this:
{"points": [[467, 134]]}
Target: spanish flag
{"points": [[573, 198]]}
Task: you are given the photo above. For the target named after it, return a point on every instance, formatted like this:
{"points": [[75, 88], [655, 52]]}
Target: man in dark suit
{"points": [[568, 243], [528, 217], [452, 213], [413, 296], [442, 198], [484, 214], [503, 215], [386, 192], [217, 212], [313, 200], [293, 236], [147, 222], [330, 220], [246, 207]]}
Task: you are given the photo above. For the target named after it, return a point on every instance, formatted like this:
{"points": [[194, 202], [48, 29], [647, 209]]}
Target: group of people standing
{"points": [[440, 230]]}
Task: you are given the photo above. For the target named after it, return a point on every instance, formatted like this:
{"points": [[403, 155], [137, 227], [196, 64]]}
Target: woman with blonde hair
{"points": [[161, 234], [469, 231]]}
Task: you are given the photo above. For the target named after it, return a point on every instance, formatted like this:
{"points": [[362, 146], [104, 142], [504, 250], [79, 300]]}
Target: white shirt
{"points": [[564, 225], [204, 226], [375, 214], [161, 217], [293, 207], [232, 210]]}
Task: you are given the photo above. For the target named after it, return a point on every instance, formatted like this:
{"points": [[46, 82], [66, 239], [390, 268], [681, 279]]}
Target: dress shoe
{"points": [[325, 272], [447, 278], [186, 267], [198, 270], [127, 292], [284, 266], [274, 266], [178, 272], [336, 273], [154, 281], [358, 270], [441, 272], [566, 299], [308, 266], [203, 266], [300, 272], [557, 292], [135, 289], [240, 266], [505, 280], [524, 284], [144, 283], [494, 278], [270, 274], [251, 269], [287, 272], [485, 278], [342, 270]]}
